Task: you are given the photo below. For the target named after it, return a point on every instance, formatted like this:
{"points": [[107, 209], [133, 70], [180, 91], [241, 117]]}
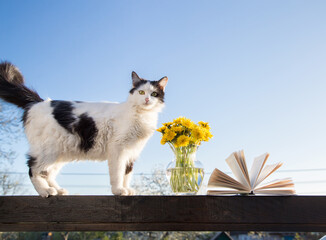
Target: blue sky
{"points": [[255, 70]]}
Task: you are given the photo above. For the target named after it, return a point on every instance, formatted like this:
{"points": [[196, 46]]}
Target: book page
{"points": [[256, 169], [277, 187], [237, 169], [226, 191], [282, 191], [243, 165], [278, 183], [268, 170], [220, 179]]}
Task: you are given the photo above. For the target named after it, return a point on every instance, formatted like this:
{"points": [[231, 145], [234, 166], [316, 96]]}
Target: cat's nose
{"points": [[147, 100]]}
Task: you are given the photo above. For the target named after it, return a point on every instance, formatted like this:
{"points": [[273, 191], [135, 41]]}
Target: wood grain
{"points": [[163, 213]]}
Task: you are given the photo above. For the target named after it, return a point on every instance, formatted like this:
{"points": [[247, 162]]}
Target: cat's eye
{"points": [[154, 94], [141, 92]]}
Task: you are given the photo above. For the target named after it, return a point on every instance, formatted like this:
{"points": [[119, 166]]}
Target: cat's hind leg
{"points": [[38, 175], [51, 175], [127, 177]]}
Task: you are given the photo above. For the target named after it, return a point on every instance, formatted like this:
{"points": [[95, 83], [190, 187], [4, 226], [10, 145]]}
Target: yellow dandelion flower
{"points": [[197, 134], [168, 124], [204, 125], [161, 129], [188, 123], [178, 120], [169, 134], [182, 141], [184, 122], [177, 129], [208, 136], [163, 140], [192, 141]]}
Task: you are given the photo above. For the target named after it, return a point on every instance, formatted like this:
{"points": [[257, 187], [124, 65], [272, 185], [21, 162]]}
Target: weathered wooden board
{"points": [[163, 213]]}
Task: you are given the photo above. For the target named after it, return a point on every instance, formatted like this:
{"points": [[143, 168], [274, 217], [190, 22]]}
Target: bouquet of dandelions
{"points": [[184, 137]]}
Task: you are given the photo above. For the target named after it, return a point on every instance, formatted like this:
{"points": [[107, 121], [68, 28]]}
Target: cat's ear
{"points": [[135, 78], [162, 82]]}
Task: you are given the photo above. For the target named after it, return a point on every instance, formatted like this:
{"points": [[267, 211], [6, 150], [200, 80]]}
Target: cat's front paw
{"points": [[47, 192], [131, 191], [62, 191], [120, 191]]}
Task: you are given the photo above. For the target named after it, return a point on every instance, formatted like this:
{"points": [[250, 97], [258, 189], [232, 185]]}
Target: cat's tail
{"points": [[12, 88]]}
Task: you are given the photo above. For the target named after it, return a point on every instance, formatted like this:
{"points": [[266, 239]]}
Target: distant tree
{"points": [[10, 131], [155, 183]]}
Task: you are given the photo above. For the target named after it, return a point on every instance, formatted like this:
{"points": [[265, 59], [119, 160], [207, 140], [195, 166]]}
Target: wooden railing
{"points": [[163, 213]]}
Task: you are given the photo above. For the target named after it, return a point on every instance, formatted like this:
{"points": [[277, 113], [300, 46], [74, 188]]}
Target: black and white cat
{"points": [[63, 131]]}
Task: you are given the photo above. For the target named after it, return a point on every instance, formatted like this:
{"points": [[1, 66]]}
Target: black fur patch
{"points": [[25, 114], [30, 163], [138, 84], [87, 131], [62, 112], [129, 167], [44, 174], [84, 125], [159, 90]]}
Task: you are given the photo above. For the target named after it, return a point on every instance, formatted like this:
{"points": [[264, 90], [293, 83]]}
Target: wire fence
{"points": [[303, 184], [148, 174]]}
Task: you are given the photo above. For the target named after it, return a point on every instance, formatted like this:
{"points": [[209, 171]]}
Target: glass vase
{"points": [[185, 173]]}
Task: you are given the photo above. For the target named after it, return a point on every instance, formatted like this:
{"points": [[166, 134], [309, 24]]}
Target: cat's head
{"points": [[147, 95]]}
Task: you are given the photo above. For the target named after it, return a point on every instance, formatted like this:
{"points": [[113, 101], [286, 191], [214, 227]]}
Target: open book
{"points": [[248, 182]]}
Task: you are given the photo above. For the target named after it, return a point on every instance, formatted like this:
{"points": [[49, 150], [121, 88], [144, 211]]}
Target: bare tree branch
{"points": [[10, 131]]}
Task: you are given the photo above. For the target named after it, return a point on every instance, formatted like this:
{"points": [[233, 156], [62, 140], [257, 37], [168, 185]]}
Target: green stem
{"points": [[184, 177]]}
